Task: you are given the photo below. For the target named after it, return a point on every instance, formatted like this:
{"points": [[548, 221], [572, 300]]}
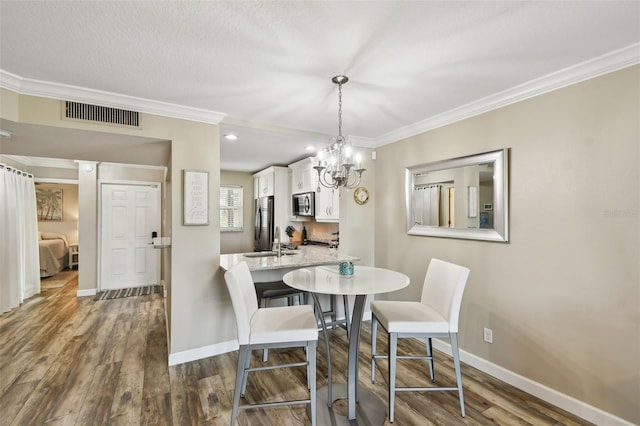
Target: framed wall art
{"points": [[195, 197], [49, 202]]}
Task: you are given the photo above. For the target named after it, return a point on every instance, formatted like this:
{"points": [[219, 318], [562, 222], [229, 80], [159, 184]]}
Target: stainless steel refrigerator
{"points": [[263, 224]]}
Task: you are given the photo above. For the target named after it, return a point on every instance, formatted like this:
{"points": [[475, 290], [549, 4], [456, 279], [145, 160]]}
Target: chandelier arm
{"points": [[322, 178], [355, 182]]}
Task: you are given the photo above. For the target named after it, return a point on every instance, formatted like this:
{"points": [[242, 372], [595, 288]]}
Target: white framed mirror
{"points": [[465, 197]]}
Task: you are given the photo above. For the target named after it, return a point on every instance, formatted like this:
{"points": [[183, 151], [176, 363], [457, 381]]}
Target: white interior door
{"points": [[130, 213]]}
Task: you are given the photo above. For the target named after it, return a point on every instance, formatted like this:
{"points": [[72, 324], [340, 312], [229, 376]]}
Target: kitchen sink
{"points": [[270, 253]]}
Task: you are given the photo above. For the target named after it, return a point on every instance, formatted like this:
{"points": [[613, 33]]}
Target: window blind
{"points": [[230, 208]]}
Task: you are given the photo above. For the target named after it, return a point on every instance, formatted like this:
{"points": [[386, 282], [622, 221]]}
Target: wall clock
{"points": [[361, 195]]}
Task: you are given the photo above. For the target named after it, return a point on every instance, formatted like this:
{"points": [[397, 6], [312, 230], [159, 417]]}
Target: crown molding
{"points": [[233, 123], [43, 162], [592, 68], [134, 166], [362, 141], [46, 89], [601, 65]]}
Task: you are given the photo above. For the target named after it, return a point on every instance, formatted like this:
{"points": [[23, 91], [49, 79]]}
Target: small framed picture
{"points": [[487, 207]]}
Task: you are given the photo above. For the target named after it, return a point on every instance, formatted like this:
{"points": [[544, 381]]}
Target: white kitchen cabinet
{"points": [[328, 205], [303, 176], [274, 181], [263, 183]]}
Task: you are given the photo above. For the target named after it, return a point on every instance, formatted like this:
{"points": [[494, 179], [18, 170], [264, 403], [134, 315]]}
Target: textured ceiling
{"points": [[268, 65]]}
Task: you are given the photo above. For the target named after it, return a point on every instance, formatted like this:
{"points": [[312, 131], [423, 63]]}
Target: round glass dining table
{"points": [[363, 406]]}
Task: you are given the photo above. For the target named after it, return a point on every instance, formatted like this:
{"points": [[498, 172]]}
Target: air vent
{"points": [[101, 114]]}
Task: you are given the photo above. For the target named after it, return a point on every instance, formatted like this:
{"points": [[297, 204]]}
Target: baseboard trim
{"points": [[87, 292], [552, 396], [203, 352]]}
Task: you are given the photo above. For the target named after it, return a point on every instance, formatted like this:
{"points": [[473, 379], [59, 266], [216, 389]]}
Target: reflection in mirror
{"points": [[464, 197]]}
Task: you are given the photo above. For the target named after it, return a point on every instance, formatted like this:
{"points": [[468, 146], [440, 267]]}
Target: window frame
{"points": [[239, 208]]}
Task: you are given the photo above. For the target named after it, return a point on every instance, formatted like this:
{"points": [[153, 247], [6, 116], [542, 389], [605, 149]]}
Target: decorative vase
{"points": [[346, 268]]}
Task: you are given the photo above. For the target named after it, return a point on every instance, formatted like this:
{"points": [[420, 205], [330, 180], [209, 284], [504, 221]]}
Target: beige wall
{"points": [[239, 242], [357, 222], [563, 296]]}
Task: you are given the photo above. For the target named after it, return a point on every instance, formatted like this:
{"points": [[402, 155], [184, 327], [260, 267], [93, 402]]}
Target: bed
{"points": [[54, 253]]}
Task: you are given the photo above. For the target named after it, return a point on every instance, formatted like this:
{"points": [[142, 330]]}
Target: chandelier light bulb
{"points": [[347, 151]]}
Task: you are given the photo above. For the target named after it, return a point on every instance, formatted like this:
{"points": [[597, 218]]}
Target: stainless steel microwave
{"points": [[304, 204]]}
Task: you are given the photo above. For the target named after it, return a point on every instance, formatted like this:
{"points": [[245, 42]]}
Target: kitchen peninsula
{"points": [[265, 267]]}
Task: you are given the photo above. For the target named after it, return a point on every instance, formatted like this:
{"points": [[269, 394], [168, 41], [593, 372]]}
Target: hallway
{"points": [[67, 360]]}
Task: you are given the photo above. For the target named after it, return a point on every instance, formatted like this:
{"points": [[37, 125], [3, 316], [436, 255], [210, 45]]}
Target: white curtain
{"points": [[427, 205], [19, 254]]}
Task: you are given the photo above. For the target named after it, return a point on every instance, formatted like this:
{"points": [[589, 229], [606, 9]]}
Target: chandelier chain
{"points": [[340, 109]]}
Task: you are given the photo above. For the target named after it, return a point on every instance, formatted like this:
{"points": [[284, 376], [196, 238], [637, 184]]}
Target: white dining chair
{"points": [[262, 328], [435, 316], [272, 290]]}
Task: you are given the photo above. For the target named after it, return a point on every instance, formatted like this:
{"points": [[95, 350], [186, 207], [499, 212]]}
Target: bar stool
{"points": [[333, 313], [266, 291], [260, 328], [435, 316]]}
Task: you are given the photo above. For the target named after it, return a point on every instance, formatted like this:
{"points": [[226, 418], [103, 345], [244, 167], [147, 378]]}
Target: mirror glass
{"points": [[464, 197]]}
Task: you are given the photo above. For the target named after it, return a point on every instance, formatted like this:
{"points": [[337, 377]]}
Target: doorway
{"points": [[130, 213]]}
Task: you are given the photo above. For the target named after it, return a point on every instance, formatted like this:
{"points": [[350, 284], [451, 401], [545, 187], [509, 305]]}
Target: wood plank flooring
{"points": [[76, 361]]}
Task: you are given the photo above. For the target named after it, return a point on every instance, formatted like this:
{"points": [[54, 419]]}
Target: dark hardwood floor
{"points": [[75, 361]]}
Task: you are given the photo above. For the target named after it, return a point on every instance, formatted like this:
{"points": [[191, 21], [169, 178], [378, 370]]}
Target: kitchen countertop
{"points": [[307, 255]]}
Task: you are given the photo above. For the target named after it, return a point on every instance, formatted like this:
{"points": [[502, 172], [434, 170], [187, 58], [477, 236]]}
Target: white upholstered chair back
{"points": [[244, 299], [443, 289]]}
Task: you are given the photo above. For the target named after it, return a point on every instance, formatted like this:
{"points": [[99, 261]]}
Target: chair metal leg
{"points": [[374, 335], [347, 319], [432, 371], [265, 352], [246, 373], [456, 363], [240, 376], [393, 352], [332, 311], [320, 314], [311, 378]]}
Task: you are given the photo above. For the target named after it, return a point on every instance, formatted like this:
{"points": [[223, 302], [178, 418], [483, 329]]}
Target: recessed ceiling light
{"points": [[5, 134], [230, 137], [309, 148]]}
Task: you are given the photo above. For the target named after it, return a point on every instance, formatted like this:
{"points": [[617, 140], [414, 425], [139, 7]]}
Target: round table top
{"points": [[327, 280]]}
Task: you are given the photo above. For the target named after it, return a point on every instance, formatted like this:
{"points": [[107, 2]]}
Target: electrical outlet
{"points": [[488, 335]]}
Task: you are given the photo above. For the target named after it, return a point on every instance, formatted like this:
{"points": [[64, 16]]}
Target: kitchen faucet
{"points": [[277, 246]]}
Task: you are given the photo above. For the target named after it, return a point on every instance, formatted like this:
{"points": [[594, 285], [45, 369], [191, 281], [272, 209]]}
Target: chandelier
{"points": [[337, 165]]}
